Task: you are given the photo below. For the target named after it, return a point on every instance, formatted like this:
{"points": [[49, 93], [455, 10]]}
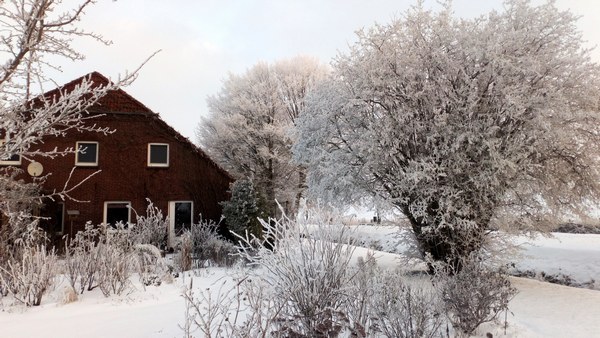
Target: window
{"points": [[14, 159], [180, 214], [158, 155], [115, 212], [87, 154]]}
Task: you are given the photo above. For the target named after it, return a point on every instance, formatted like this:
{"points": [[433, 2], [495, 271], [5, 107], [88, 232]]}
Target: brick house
{"points": [[143, 158]]}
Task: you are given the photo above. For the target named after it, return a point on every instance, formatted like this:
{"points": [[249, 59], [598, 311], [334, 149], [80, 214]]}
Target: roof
{"points": [[114, 101], [119, 102]]}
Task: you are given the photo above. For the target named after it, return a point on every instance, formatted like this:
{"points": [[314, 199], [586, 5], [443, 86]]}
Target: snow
{"points": [[574, 255], [550, 310], [539, 309]]}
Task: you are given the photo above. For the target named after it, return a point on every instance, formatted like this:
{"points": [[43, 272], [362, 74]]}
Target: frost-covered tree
{"points": [[249, 128], [244, 208], [33, 35], [465, 125]]}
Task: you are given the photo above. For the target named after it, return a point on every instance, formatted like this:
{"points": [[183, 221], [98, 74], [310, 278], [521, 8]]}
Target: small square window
{"points": [[158, 155], [14, 159], [87, 154]]}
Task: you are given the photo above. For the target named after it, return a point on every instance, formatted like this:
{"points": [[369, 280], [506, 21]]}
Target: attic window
{"points": [[14, 159], [87, 154], [158, 155]]}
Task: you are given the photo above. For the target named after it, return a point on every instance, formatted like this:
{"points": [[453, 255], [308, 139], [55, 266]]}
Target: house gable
{"points": [[121, 175]]}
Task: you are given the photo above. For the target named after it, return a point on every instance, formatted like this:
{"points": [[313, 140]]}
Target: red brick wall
{"points": [[125, 176]]}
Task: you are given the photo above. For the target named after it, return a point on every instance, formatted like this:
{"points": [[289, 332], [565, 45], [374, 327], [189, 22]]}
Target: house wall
{"points": [[125, 176]]}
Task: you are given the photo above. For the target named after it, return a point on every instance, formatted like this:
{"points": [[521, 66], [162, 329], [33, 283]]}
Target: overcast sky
{"points": [[203, 40]]}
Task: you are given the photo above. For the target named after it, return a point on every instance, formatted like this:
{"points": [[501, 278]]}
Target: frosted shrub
{"points": [[213, 311], [81, 258], [385, 303], [265, 310], [150, 264], [399, 310], [101, 257], [209, 247], [183, 260], [116, 260], [30, 271], [361, 290], [202, 246], [308, 269], [473, 296], [115, 269], [150, 229], [28, 279]]}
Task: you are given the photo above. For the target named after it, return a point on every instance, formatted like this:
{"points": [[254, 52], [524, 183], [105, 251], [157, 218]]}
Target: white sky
{"points": [[203, 40]]}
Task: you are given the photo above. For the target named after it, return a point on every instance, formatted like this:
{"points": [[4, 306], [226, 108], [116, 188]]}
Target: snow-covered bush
{"points": [[474, 295], [399, 310], [149, 264], [31, 269], [308, 268], [202, 246], [183, 259], [16, 208], [301, 282], [213, 311], [115, 259], [115, 269], [386, 303], [209, 247], [150, 229], [101, 256], [575, 228], [81, 258]]}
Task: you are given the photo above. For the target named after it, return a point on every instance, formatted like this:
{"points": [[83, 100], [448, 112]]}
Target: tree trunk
{"points": [[270, 191], [300, 189], [445, 245]]}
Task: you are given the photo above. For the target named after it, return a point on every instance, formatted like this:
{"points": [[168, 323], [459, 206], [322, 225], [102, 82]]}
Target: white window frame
{"points": [[105, 212], [9, 162], [163, 165], [172, 235], [86, 164]]}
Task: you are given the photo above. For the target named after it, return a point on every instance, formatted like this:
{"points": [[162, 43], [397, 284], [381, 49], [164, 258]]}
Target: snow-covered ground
{"points": [[559, 254], [539, 310]]}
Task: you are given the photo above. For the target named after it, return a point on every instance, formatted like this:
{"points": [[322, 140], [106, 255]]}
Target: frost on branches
{"points": [[249, 129], [32, 32], [465, 125]]}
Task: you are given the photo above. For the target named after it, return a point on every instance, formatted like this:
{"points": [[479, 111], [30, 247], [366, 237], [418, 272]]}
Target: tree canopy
{"points": [[465, 125], [249, 130]]}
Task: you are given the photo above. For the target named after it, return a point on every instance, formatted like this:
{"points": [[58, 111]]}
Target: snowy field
{"points": [[539, 310]]}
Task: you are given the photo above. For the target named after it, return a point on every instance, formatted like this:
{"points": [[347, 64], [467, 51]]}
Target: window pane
{"points": [[12, 159], [117, 212], [87, 153], [183, 216], [159, 154]]}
